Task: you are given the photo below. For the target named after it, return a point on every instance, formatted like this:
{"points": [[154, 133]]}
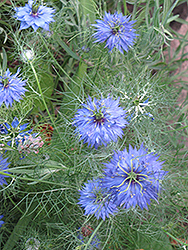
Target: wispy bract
{"points": [[34, 15], [134, 177], [11, 88], [100, 121], [117, 30]]}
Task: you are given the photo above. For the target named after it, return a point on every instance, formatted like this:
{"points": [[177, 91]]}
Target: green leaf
{"points": [[19, 229], [47, 86], [65, 47], [145, 243], [89, 9], [2, 3], [4, 59], [82, 70]]}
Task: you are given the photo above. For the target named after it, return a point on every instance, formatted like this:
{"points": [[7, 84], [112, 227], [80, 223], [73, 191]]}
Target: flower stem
{"points": [[93, 234], [42, 96], [59, 66], [30, 179]]}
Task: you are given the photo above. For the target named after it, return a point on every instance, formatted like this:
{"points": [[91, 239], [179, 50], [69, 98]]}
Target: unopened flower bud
{"points": [[27, 55]]}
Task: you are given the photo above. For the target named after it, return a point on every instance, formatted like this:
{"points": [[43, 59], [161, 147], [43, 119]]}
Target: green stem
{"points": [[19, 229], [40, 91], [179, 241], [15, 206], [93, 234], [125, 7], [59, 66], [42, 96], [29, 179]]}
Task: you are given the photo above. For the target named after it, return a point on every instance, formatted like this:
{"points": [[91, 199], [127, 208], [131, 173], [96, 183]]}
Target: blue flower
{"points": [[100, 121], [96, 200], [11, 88], [34, 15], [3, 166], [134, 177], [15, 131], [117, 30], [1, 222]]}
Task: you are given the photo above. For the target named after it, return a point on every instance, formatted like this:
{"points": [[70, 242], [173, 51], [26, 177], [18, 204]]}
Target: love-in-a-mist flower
{"points": [[14, 132], [11, 88], [117, 30], [27, 55], [96, 200], [35, 15], [139, 107], [32, 244], [1, 222], [100, 121], [134, 177], [3, 167]]}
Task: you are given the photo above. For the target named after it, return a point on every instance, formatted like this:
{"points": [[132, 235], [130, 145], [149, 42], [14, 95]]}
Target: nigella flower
{"points": [[3, 166], [11, 88], [117, 30], [100, 121], [14, 132], [1, 222], [139, 106], [27, 55], [96, 200], [34, 15], [134, 177], [32, 244]]}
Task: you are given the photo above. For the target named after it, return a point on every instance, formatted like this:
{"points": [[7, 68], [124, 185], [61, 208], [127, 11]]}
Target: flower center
{"points": [[136, 102], [35, 8], [99, 118], [5, 83], [99, 196], [116, 29], [31, 242], [133, 175]]}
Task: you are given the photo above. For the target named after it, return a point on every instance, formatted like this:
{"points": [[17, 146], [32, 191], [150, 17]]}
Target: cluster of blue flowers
{"points": [[12, 88], [131, 178]]}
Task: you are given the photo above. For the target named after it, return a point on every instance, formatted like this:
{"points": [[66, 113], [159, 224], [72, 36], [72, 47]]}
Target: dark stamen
{"points": [[99, 118], [116, 29], [6, 83]]}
